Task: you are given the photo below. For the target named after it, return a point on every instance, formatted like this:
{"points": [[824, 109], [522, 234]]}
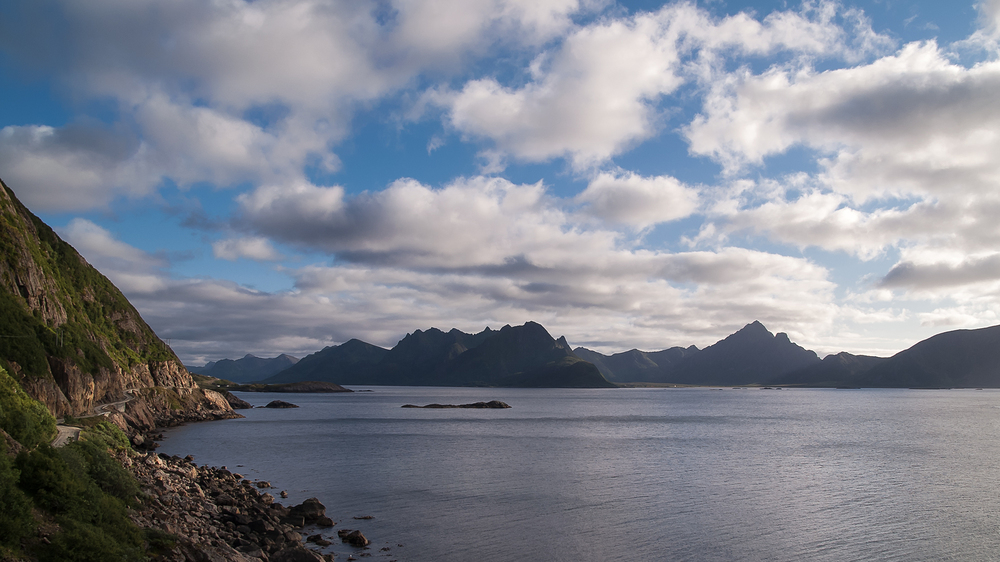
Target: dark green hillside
{"points": [[55, 304], [420, 358], [69, 336], [247, 369], [516, 356], [67, 504]]}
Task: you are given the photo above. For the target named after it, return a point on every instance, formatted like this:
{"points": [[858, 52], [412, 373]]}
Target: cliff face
{"points": [[72, 339]]}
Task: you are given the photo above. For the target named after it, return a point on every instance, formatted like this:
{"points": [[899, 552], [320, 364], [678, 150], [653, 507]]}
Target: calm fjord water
{"points": [[633, 474]]}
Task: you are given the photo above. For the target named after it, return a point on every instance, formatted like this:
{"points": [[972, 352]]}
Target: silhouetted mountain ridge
{"points": [[528, 356], [248, 369], [960, 358], [347, 361], [523, 355]]}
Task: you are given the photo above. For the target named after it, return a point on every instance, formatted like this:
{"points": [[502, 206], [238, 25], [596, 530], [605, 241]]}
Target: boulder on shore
{"points": [[492, 404], [311, 511], [280, 404], [353, 538], [296, 554]]}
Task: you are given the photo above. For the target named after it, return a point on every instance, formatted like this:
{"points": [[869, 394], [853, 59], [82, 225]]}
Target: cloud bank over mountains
{"points": [[627, 178]]}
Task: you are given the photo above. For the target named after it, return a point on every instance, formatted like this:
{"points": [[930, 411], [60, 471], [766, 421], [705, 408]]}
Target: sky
{"points": [[278, 176]]}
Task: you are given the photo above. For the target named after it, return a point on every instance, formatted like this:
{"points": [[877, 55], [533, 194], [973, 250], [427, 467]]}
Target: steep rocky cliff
{"points": [[74, 342]]}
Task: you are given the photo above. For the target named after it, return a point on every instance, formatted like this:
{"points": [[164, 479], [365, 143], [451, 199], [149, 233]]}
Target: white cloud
{"points": [[255, 248], [73, 167], [911, 123], [630, 199], [190, 81], [132, 270], [471, 222], [598, 92]]}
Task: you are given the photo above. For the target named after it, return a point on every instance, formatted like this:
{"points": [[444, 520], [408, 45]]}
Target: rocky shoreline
{"points": [[215, 515]]}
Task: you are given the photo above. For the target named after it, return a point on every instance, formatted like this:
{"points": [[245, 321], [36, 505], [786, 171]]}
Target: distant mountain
{"points": [[527, 356], [346, 363], [961, 358], [842, 369], [515, 356], [635, 365], [522, 356], [421, 358], [248, 369], [751, 355]]}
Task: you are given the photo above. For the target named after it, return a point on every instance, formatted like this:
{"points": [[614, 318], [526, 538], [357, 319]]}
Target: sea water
{"points": [[632, 474]]}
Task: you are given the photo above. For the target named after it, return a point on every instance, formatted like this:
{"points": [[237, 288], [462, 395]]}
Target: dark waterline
{"points": [[634, 474]]}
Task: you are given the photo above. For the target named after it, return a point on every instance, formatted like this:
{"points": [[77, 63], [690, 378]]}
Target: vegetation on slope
{"points": [[54, 304], [23, 418], [68, 504]]}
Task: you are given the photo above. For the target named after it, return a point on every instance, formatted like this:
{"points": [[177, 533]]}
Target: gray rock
{"points": [[353, 538], [296, 554], [310, 510]]}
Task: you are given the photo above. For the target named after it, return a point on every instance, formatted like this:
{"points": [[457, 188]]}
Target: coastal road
{"points": [[67, 433]]}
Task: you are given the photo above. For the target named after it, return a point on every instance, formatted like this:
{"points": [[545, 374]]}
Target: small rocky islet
{"points": [[492, 404]]}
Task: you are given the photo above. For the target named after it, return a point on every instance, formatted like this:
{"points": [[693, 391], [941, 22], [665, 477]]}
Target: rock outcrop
{"points": [[235, 402], [280, 404], [75, 343], [353, 537], [218, 516]]}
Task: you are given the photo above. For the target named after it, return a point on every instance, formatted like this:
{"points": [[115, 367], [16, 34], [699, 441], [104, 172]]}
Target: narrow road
{"points": [[67, 433]]}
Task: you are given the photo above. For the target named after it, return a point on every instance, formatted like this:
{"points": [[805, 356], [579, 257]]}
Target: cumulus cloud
{"points": [[259, 94], [598, 92], [131, 269], [630, 199], [255, 248], [910, 123], [651, 300], [470, 222], [193, 83], [58, 168], [905, 146]]}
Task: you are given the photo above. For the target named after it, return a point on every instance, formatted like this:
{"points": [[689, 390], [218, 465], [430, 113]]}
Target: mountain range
{"points": [[248, 369], [522, 356], [528, 356]]}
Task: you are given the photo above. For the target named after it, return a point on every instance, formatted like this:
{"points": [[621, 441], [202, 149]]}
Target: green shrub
{"points": [[109, 435], [90, 455], [22, 417], [94, 523], [20, 342], [159, 542], [80, 542], [16, 521]]}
